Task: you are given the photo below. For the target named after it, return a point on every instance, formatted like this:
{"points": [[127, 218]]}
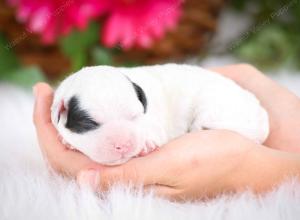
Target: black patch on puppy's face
{"points": [[78, 120], [141, 95]]}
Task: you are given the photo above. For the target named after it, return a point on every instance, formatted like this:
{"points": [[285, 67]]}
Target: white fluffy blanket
{"points": [[27, 191]]}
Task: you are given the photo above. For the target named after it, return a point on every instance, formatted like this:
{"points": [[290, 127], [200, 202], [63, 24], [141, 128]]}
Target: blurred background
{"points": [[46, 40]]}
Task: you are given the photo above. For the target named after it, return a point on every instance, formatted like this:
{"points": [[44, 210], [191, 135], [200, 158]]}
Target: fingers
{"points": [[162, 191], [44, 96], [159, 167], [46, 132], [93, 179], [243, 74], [147, 170], [61, 158], [253, 80], [41, 116]]}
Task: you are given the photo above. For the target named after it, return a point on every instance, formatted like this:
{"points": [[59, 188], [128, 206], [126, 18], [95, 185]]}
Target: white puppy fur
{"points": [[177, 99]]}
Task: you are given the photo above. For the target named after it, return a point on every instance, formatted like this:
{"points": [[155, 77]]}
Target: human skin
{"points": [[196, 165]]}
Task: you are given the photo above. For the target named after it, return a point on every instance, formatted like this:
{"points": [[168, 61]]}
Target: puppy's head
{"points": [[102, 113]]}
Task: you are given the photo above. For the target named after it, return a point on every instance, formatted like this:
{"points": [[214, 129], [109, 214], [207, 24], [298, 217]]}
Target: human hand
{"points": [[282, 106], [137, 170], [200, 165]]}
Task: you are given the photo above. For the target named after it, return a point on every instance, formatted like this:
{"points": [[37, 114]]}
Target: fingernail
{"points": [[89, 178]]}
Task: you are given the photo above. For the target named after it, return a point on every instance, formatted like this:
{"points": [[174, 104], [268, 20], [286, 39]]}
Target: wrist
{"points": [[263, 169], [285, 129]]}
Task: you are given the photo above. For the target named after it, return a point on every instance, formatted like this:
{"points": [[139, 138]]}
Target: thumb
{"points": [[43, 99]]}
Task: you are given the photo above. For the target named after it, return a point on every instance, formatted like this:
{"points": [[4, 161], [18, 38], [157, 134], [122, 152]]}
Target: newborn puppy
{"points": [[113, 114]]}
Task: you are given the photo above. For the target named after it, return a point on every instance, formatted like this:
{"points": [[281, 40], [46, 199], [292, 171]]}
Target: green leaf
{"points": [[275, 43], [269, 47], [102, 56], [8, 60], [79, 60], [25, 77], [77, 44], [240, 5]]}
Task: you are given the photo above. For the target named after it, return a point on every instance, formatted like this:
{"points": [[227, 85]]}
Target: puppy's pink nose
{"points": [[122, 148]]}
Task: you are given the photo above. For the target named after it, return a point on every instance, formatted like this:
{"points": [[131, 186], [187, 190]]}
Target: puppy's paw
{"points": [[149, 148]]}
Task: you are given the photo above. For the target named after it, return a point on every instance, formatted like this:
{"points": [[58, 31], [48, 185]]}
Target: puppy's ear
{"points": [[141, 95], [78, 120], [61, 109]]}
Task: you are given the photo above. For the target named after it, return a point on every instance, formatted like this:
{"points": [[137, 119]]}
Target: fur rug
{"points": [[28, 191]]}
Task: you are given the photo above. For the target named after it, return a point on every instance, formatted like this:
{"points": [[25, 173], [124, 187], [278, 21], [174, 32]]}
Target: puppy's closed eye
{"points": [[78, 120]]}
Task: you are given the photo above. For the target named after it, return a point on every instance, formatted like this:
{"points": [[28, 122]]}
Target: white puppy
{"points": [[113, 114]]}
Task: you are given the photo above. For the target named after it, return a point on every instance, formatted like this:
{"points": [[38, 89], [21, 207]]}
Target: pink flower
{"points": [[52, 18], [139, 22], [126, 22]]}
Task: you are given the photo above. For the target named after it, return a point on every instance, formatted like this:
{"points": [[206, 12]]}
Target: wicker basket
{"points": [[196, 27]]}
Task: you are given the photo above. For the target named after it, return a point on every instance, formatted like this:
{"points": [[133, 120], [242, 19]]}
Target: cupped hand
{"points": [[195, 165]]}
